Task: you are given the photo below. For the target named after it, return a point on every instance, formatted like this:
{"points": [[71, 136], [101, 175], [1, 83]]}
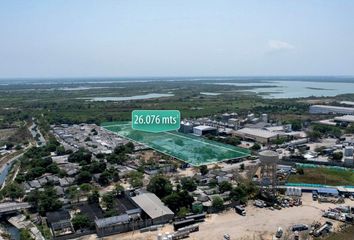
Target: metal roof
{"points": [[257, 132], [152, 205], [116, 220], [328, 191]]}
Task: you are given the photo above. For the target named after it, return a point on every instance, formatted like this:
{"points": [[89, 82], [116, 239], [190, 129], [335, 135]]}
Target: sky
{"points": [[132, 38]]}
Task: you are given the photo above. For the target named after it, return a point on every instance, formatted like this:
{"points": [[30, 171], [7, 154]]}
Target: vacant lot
{"points": [[324, 176], [347, 234], [258, 224]]}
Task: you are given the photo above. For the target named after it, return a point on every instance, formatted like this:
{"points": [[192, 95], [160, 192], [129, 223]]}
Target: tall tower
{"points": [[268, 178]]}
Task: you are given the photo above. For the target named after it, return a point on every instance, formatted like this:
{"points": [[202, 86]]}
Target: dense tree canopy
{"points": [[160, 185]]}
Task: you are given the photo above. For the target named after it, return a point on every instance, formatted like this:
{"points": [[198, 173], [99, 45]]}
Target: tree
{"points": [[73, 193], [94, 197], [108, 200], [84, 177], [53, 168], [243, 191], [183, 211], [9, 146], [136, 179], [176, 200], [13, 191], [104, 178], [256, 147], [217, 203], [242, 167], [48, 201], [203, 169], [160, 185], [225, 186], [81, 156], [337, 156], [188, 184], [115, 176], [80, 221], [119, 189], [25, 234], [60, 150]]}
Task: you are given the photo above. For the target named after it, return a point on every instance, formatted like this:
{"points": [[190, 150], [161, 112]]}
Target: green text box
{"points": [[156, 120]]}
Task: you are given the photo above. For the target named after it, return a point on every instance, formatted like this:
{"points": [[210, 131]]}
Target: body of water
{"points": [[136, 97], [210, 93], [297, 89]]}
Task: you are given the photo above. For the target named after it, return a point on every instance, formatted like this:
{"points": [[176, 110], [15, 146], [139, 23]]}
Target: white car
{"points": [[227, 237]]}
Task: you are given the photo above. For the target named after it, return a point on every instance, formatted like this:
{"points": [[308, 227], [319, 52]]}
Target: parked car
{"points": [[279, 233], [299, 227]]}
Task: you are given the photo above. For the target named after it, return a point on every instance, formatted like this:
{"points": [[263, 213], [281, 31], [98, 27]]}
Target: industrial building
{"points": [[256, 134], [143, 210], [326, 109], [154, 208], [203, 130], [186, 127], [345, 118]]}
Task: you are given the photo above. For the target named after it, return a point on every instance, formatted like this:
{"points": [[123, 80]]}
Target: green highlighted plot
{"points": [[186, 147]]}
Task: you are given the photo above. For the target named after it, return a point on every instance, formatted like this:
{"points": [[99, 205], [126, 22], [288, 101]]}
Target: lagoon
{"points": [[296, 89]]}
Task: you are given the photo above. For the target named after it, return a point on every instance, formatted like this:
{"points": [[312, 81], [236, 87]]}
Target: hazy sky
{"points": [[49, 38]]}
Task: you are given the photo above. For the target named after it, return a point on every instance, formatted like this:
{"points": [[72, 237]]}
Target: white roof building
{"points": [[256, 134], [345, 118]]}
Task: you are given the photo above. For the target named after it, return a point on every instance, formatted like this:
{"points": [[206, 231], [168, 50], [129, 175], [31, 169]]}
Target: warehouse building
{"points": [[203, 130], [345, 118], [153, 208], [326, 109], [256, 134], [142, 210]]}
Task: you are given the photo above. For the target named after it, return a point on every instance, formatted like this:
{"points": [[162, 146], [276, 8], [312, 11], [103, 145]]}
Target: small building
{"points": [[153, 207], [328, 192], [60, 223], [203, 130]]}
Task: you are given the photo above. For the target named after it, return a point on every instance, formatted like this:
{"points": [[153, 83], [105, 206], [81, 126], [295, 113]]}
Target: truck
{"points": [[325, 228], [240, 210]]}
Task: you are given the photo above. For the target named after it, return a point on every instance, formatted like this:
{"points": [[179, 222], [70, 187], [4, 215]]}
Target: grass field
{"points": [[186, 147], [324, 176]]}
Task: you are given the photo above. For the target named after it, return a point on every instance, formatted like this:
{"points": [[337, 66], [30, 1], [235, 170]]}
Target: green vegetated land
{"points": [[324, 176], [186, 147], [57, 105]]}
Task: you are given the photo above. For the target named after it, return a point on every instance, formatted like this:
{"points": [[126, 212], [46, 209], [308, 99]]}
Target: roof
{"points": [[57, 216], [105, 222], [345, 118], [204, 128], [152, 205], [333, 107], [328, 191], [257, 132]]}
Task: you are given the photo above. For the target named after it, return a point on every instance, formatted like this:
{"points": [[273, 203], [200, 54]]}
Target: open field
{"points": [[259, 223], [186, 147], [347, 234], [324, 176]]}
